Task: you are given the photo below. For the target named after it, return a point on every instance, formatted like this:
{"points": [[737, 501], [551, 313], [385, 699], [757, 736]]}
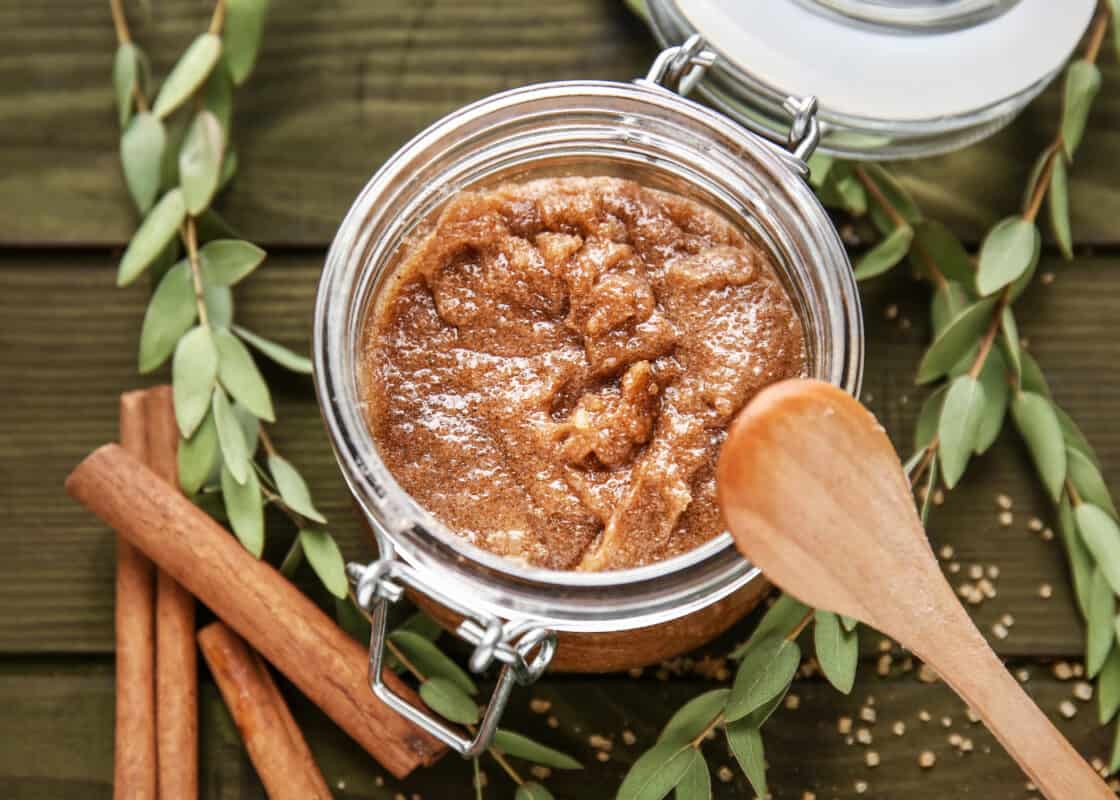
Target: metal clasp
{"points": [[382, 582]]}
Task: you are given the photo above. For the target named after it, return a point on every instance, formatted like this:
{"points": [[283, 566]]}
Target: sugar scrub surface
{"points": [[553, 367]]}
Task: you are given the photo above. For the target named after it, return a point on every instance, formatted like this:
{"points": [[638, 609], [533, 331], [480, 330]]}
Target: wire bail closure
{"points": [[382, 582]]}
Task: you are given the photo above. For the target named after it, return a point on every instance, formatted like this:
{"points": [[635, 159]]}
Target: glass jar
{"points": [[601, 620]]}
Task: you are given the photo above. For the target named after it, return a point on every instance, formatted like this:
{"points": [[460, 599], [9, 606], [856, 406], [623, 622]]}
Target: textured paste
{"points": [[554, 364]]}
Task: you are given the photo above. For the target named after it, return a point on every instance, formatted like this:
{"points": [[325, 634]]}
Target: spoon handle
{"points": [[966, 662]]}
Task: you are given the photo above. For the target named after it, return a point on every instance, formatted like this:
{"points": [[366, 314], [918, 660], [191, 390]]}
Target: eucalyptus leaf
{"points": [[219, 305], [1099, 635], [1075, 439], [278, 353], [448, 700], [1083, 81], [1031, 378], [225, 262], [782, 617], [837, 650], [886, 254], [229, 168], [170, 313], [212, 225], [895, 194], [947, 302], [1009, 250], [657, 773], [194, 369], [1034, 176], [1087, 479], [326, 559], [158, 228], [693, 717], [198, 456], [292, 488], [956, 340], [142, 146], [231, 440], [531, 790], [959, 426], [167, 258], [430, 660], [1009, 339], [126, 72], [250, 427], [819, 167], [422, 625], [1080, 562], [696, 783], [176, 128], [518, 746], [1102, 539], [945, 250], [746, 745], [840, 189], [1037, 423], [928, 418], [849, 623], [241, 36], [351, 620], [997, 396], [1108, 687], [218, 95], [244, 510], [766, 670], [188, 74], [1058, 204], [200, 161], [238, 373], [292, 561]]}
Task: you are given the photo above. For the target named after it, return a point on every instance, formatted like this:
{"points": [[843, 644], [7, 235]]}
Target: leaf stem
{"points": [[1096, 33], [989, 334], [292, 558], [505, 765], [396, 651], [715, 722], [793, 634], [477, 779], [120, 22], [927, 459], [218, 18], [189, 235], [266, 442], [1042, 184]]}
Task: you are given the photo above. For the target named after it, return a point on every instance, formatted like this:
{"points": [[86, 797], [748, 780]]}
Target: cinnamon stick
{"points": [[255, 600], [176, 660], [275, 745], [134, 739]]}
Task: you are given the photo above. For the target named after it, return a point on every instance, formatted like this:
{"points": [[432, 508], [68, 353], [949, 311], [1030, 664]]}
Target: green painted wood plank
{"points": [[341, 85]]}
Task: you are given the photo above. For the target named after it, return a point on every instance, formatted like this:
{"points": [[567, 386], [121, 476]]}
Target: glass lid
{"points": [[894, 78]]}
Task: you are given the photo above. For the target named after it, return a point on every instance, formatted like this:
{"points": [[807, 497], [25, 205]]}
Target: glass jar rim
{"points": [[702, 575]]}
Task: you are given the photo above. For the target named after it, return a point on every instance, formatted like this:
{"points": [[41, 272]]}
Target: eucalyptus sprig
{"points": [[177, 156]]}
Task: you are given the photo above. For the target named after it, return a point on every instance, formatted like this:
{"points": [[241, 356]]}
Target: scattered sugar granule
{"points": [[635, 672], [725, 774], [1023, 675], [600, 742], [808, 796], [924, 716], [883, 667], [1045, 591], [1006, 519], [793, 701], [885, 645], [993, 571], [946, 722], [539, 705], [976, 572], [973, 717], [954, 567], [1047, 278], [927, 674], [891, 311], [1067, 709], [986, 588], [1083, 691], [1078, 670], [861, 787], [863, 736], [1035, 524], [899, 728], [926, 759], [1062, 671], [1003, 501], [966, 746], [553, 722], [999, 630], [1047, 535], [938, 497], [955, 739], [603, 756], [540, 772], [872, 758], [867, 714], [844, 725], [947, 552], [1007, 620], [628, 736]]}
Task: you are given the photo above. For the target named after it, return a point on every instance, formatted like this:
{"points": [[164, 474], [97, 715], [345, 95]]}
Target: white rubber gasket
{"points": [[887, 74]]}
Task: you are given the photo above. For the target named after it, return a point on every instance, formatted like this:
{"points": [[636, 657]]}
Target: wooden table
{"points": [[340, 85]]}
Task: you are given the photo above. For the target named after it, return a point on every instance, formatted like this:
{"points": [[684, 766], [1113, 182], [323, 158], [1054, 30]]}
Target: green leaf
{"points": [[200, 161], [1102, 539], [948, 301], [170, 314], [1099, 635], [840, 189], [351, 620], [430, 660], [241, 36], [229, 168], [1083, 81], [225, 262], [956, 340], [886, 254], [819, 167], [167, 258], [766, 670], [324, 556], [218, 96], [782, 617], [849, 623], [176, 129], [1009, 337], [696, 783], [1075, 439], [693, 717], [1114, 759], [238, 373], [449, 701], [959, 426], [928, 417], [142, 146], [518, 746], [997, 396], [1088, 481], [278, 353], [250, 427], [532, 791], [245, 510], [1058, 203], [423, 625], [895, 194], [158, 228], [837, 650], [1080, 563], [746, 745], [293, 488], [126, 72], [945, 251], [1031, 378], [1035, 174], [198, 456], [212, 225], [230, 438], [1034, 417], [1009, 250], [1108, 688], [193, 372], [219, 305], [657, 772], [189, 72]]}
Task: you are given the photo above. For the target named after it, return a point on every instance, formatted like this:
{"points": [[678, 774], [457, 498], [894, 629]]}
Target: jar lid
{"points": [[893, 78]]}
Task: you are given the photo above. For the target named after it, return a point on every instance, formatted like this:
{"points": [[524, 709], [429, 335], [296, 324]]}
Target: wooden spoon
{"points": [[814, 494]]}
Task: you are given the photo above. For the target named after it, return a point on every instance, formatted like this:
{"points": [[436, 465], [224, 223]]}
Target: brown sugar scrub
{"points": [[553, 366]]}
